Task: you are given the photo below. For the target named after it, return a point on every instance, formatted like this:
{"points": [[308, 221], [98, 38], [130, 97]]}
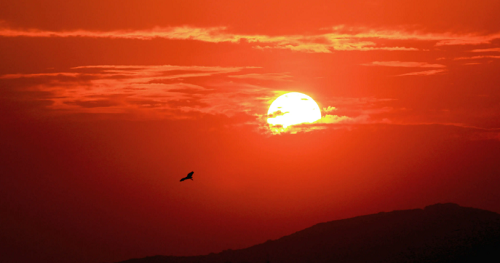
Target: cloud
{"points": [[497, 49], [210, 34], [367, 106], [469, 39], [329, 109], [354, 111], [424, 73], [324, 43], [404, 64], [137, 73], [320, 124], [264, 76], [329, 119], [338, 38], [276, 114], [37, 75], [475, 57], [328, 122], [93, 103], [440, 39], [166, 91]]}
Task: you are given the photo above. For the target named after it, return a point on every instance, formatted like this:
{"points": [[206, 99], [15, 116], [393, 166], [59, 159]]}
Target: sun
{"points": [[292, 109]]}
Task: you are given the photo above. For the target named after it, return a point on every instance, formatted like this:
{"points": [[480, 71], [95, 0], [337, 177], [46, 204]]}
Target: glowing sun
{"points": [[291, 109]]}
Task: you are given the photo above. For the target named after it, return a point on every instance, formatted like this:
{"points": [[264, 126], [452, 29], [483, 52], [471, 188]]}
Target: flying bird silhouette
{"points": [[189, 176]]}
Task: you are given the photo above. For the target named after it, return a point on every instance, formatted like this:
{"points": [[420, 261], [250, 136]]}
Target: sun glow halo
{"points": [[292, 109]]}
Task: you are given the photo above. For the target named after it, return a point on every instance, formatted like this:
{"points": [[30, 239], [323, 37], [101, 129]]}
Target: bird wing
{"points": [[183, 179]]}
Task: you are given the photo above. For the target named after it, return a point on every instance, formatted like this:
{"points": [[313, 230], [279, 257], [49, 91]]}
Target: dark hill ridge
{"points": [[437, 233]]}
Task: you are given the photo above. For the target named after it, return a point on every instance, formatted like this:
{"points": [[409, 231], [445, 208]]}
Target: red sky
{"points": [[106, 105]]}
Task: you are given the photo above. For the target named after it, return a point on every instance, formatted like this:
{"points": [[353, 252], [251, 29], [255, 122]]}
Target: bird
{"points": [[189, 176]]}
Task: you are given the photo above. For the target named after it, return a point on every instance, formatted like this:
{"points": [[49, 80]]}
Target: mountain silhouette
{"points": [[437, 233]]}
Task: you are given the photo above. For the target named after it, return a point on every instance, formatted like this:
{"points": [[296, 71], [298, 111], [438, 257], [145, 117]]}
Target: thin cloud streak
{"points": [[340, 38], [37, 75], [404, 64], [487, 50], [476, 57], [301, 43], [441, 39], [264, 76], [439, 68], [424, 73]]}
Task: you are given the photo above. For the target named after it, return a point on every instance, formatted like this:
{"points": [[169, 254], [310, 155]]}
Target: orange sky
{"points": [[106, 105]]}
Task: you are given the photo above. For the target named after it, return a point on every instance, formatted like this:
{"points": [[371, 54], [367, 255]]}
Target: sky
{"points": [[106, 105]]}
